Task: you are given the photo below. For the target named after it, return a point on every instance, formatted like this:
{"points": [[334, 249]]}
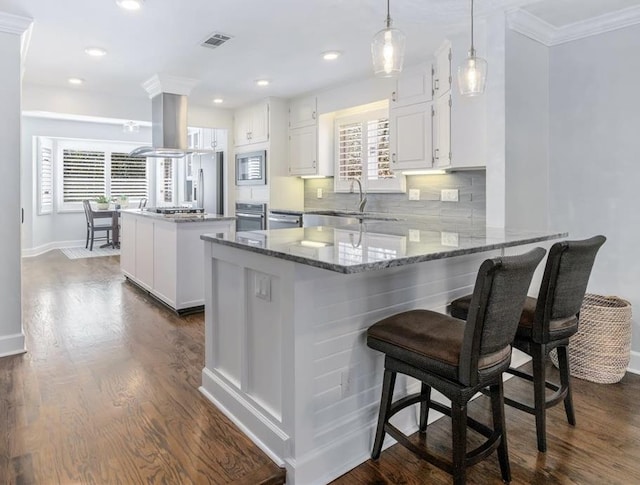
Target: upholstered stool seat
{"points": [[547, 322], [458, 359]]}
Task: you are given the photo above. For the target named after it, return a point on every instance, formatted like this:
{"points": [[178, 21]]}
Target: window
{"points": [[45, 179], [91, 169], [362, 152]]}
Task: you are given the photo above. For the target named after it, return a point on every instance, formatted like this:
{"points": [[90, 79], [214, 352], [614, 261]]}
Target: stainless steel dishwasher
{"points": [[282, 219]]}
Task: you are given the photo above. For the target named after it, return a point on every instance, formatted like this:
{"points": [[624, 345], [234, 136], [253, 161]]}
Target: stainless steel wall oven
{"points": [[251, 217]]}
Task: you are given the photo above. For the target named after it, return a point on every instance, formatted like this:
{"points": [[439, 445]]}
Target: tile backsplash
{"points": [[470, 184]]}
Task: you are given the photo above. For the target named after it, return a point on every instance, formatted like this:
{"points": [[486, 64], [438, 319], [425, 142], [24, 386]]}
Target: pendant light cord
{"points": [[473, 50], [389, 16]]}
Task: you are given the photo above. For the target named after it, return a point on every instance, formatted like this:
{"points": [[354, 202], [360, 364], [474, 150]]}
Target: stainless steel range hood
{"points": [[168, 129]]}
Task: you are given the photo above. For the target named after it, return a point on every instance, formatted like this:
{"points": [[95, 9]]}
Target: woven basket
{"points": [[600, 351]]}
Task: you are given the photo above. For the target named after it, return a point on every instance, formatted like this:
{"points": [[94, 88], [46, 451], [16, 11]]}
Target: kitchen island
{"points": [[163, 254], [286, 318]]}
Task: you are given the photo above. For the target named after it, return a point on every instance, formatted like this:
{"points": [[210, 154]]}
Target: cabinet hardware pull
{"points": [[313, 164], [436, 84], [313, 115], [394, 96], [394, 158], [436, 153]]}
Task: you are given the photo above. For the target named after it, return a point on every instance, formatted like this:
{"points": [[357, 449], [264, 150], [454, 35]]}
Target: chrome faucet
{"points": [[363, 198]]}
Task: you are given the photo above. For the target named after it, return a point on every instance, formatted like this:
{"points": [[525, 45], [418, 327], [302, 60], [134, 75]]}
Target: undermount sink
{"points": [[342, 218]]}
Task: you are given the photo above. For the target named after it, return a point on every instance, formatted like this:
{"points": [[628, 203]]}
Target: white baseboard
{"points": [[12, 345], [38, 250], [634, 363]]}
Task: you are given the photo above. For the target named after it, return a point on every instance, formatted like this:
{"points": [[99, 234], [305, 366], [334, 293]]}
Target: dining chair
{"points": [[547, 323], [93, 228], [458, 359]]}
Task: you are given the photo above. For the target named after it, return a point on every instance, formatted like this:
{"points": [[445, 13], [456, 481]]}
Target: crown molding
{"points": [[163, 83], [541, 31], [14, 24]]}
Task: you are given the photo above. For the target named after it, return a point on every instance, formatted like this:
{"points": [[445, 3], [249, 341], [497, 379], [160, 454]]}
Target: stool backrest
{"points": [[88, 212], [496, 304], [564, 283]]}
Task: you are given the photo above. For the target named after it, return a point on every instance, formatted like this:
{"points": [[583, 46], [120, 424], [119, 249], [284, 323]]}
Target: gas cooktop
{"points": [[175, 210]]}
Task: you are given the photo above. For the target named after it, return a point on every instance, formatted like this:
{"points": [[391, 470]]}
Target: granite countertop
{"points": [[179, 217], [375, 244]]}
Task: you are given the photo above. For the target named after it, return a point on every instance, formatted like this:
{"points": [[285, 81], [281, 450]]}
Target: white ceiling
{"points": [[281, 40]]}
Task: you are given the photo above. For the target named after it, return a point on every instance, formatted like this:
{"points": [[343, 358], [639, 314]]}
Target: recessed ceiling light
{"points": [[75, 81], [262, 82], [331, 55], [95, 51], [218, 100], [130, 4]]}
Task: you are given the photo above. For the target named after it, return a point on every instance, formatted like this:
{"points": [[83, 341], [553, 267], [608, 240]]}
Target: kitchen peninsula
{"points": [[285, 321], [162, 253]]}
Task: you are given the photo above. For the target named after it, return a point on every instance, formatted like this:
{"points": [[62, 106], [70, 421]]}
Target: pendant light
{"points": [[472, 74], [387, 50]]}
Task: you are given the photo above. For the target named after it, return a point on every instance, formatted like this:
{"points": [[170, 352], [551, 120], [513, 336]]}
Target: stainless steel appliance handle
{"points": [[290, 221], [251, 216]]}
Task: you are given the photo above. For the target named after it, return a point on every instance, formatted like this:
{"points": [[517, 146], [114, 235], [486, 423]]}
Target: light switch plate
{"points": [[449, 195], [414, 194], [414, 235], [450, 239], [319, 193]]}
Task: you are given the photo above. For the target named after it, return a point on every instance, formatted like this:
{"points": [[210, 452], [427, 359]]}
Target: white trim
{"points": [[539, 30], [14, 24], [634, 363], [45, 248], [83, 118], [12, 345], [162, 83]]}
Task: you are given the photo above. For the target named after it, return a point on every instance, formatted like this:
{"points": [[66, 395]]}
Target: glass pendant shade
{"points": [[387, 51], [472, 75]]}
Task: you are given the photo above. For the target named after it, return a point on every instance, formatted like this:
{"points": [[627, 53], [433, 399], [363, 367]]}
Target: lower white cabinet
{"points": [[410, 137], [164, 257]]}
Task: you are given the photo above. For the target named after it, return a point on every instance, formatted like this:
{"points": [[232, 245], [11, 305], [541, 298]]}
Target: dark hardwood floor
{"points": [[108, 394]]}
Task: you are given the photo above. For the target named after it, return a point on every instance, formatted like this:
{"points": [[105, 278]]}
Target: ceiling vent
{"points": [[216, 40]]}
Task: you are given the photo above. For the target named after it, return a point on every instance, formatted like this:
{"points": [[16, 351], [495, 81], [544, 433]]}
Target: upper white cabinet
{"points": [[207, 139], [303, 112], [410, 137], [251, 124], [442, 132], [413, 88], [309, 140], [442, 79]]}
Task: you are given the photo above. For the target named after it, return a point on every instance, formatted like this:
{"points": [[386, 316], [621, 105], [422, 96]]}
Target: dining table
{"points": [[114, 214]]}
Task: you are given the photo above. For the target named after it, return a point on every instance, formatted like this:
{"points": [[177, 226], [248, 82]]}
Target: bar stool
{"points": [[547, 323], [458, 359]]}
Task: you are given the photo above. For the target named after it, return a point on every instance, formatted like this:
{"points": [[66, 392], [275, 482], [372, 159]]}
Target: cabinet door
{"points": [[242, 127], [412, 89], [128, 245], [442, 132], [303, 150], [302, 112], [410, 137], [442, 75], [259, 131], [144, 252]]}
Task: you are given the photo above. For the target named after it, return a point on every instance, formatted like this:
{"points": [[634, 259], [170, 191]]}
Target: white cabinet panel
{"points": [[128, 245], [144, 252], [413, 88], [251, 124], [303, 112], [442, 132], [303, 150], [442, 77], [410, 138]]}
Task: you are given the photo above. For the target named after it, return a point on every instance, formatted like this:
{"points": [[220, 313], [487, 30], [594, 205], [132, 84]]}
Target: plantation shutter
{"points": [[83, 175], [350, 151], [128, 176], [378, 149], [45, 181]]}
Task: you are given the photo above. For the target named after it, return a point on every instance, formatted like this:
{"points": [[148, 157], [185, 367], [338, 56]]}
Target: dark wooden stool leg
{"points": [[385, 403], [565, 383], [459, 433], [497, 407], [424, 407], [539, 380]]}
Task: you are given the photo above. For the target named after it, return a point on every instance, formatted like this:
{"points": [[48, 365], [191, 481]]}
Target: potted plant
{"points": [[103, 202], [123, 201]]}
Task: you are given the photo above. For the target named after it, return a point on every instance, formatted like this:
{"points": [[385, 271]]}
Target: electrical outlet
{"points": [[451, 239], [319, 193], [449, 195], [414, 194], [262, 286], [414, 235]]}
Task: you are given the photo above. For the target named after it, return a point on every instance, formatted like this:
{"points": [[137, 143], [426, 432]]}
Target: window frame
{"points": [[390, 185], [40, 143], [105, 146]]}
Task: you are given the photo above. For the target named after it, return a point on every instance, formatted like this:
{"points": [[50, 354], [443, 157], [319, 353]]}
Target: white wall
{"points": [[595, 155], [11, 336], [527, 133], [42, 232]]}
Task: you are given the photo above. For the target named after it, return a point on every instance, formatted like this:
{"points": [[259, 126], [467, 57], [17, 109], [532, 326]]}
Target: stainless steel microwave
{"points": [[251, 168]]}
